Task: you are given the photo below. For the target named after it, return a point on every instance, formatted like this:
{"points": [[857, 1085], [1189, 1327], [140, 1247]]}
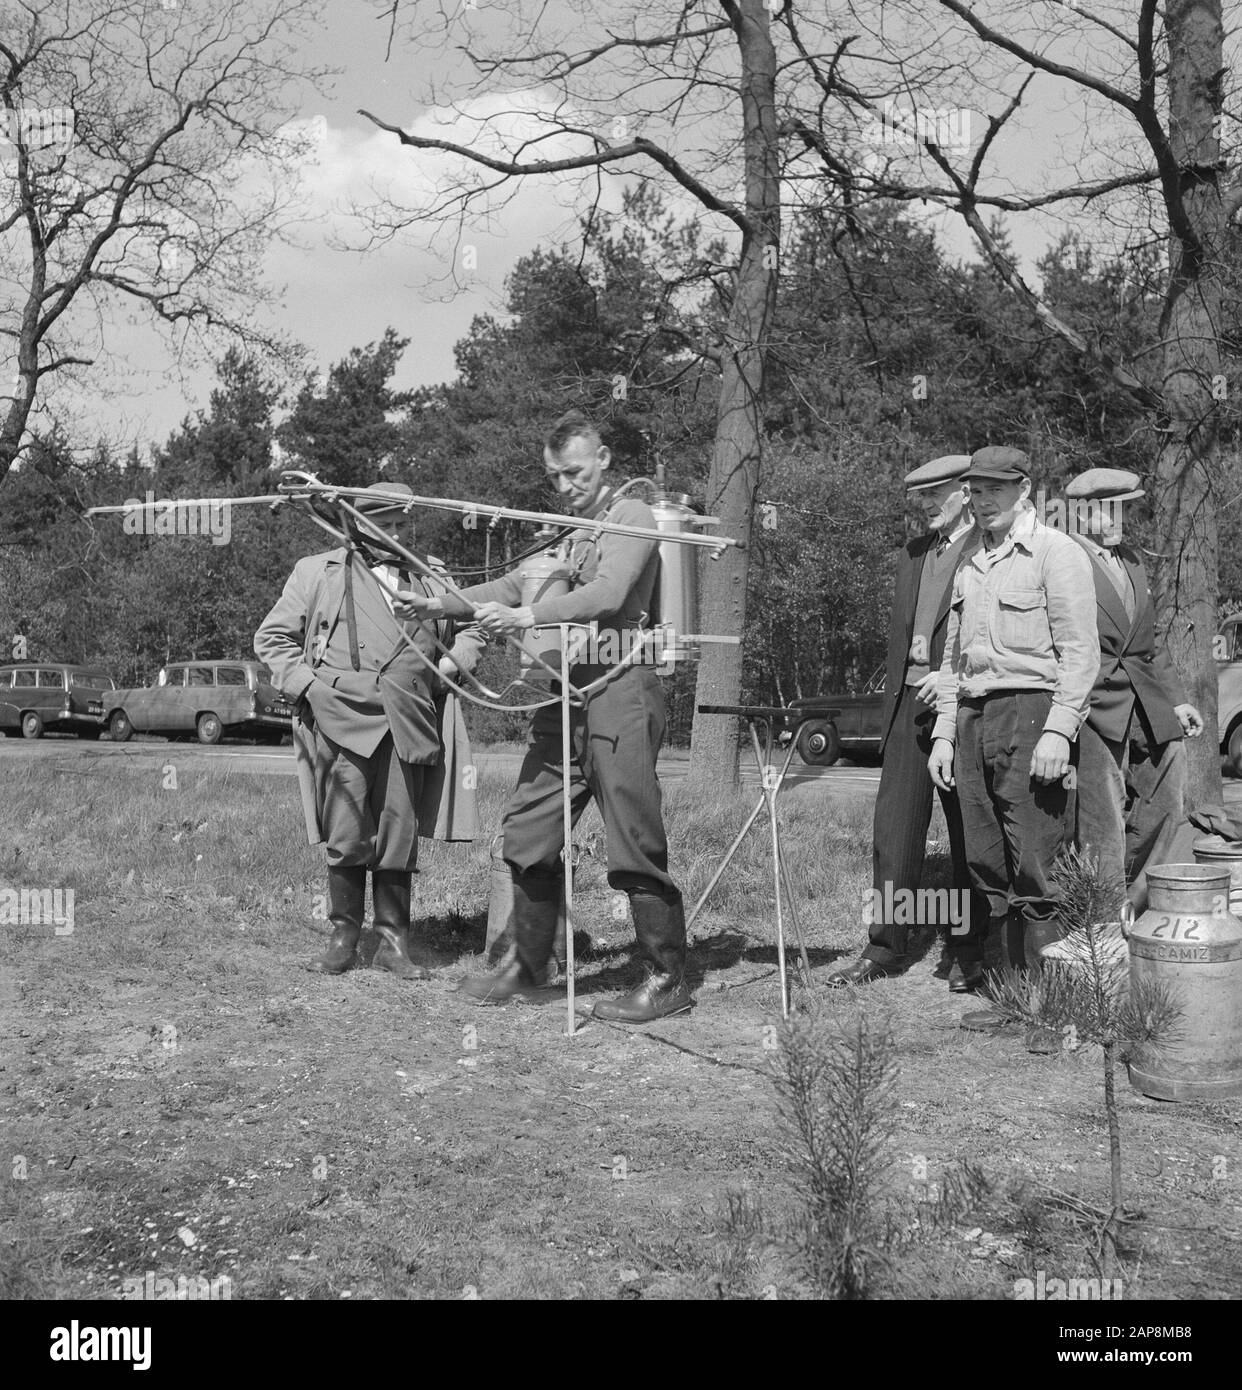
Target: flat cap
{"points": [[941, 470], [1105, 485], [386, 501], [1000, 463]]}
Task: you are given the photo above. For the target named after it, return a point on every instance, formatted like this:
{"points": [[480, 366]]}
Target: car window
{"points": [[230, 675], [91, 680], [24, 678], [199, 675], [1225, 647], [51, 680], [171, 675], [263, 673]]}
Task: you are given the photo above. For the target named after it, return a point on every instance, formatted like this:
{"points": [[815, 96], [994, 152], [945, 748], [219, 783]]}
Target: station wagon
{"points": [[208, 699], [52, 696]]}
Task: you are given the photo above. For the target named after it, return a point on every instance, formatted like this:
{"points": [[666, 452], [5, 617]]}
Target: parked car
{"points": [[211, 699], [46, 695], [841, 723], [1227, 649]]}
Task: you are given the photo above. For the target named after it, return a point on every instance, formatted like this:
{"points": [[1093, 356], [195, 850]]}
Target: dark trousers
{"points": [[903, 808], [614, 743], [1156, 784], [1014, 825], [367, 805], [1101, 795]]}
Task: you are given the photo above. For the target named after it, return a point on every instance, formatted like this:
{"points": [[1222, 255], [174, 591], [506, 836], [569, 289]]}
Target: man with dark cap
{"points": [[1020, 657], [614, 742], [365, 731], [1130, 746], [903, 804]]}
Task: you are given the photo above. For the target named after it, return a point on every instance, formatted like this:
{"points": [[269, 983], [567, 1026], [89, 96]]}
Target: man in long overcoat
{"points": [[375, 749]]}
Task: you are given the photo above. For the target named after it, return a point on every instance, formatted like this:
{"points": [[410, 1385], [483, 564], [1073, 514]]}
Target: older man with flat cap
{"points": [[366, 732], [904, 801], [1020, 658], [1130, 747]]}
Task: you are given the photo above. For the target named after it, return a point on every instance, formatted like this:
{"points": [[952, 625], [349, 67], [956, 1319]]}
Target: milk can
{"points": [[542, 576], [1190, 941], [1223, 854]]}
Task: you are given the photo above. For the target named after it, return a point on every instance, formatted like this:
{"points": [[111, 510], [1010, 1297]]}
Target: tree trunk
{"points": [[733, 480], [1187, 464]]}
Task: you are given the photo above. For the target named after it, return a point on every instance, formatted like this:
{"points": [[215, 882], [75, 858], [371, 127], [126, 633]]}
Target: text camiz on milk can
{"points": [[1190, 941]]}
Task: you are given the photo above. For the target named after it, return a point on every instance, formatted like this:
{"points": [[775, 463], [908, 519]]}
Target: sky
{"points": [[337, 298]]}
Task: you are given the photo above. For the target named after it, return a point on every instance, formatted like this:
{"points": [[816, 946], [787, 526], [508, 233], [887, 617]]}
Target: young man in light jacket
{"points": [[1020, 658]]}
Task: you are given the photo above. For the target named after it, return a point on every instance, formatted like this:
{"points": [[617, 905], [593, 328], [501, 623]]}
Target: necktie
{"points": [[1120, 580]]}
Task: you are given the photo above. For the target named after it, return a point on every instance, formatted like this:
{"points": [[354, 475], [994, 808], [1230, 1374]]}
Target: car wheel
{"points": [[32, 725], [1235, 749], [210, 730], [120, 730], [819, 743]]}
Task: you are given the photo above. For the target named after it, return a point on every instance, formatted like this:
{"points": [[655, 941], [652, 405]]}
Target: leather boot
{"points": [[390, 891], [660, 925], [536, 904], [347, 896]]}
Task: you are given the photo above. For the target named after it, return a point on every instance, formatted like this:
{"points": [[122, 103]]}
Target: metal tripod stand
{"points": [[769, 718]]}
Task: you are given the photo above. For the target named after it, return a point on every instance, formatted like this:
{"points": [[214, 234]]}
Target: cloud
{"points": [[344, 283]]}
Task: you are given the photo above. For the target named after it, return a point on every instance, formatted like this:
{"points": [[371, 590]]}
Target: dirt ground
{"points": [[181, 1099]]}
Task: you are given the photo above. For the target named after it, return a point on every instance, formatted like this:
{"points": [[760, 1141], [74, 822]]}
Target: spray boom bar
{"points": [[298, 486]]}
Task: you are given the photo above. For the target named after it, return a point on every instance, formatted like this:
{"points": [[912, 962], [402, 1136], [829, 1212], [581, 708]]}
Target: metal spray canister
{"points": [[544, 575]]}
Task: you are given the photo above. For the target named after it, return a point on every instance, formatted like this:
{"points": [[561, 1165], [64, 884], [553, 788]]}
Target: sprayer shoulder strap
{"points": [[591, 543]]}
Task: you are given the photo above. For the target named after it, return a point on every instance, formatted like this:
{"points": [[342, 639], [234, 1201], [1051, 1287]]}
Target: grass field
{"points": [[181, 1099]]}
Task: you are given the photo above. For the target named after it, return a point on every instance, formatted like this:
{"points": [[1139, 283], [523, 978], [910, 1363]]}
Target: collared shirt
{"points": [[390, 579], [1116, 571], [1022, 618], [938, 565], [965, 523]]}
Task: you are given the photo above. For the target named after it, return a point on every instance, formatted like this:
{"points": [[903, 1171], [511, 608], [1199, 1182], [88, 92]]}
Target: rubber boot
{"points": [[660, 925], [536, 904], [347, 896], [390, 890]]}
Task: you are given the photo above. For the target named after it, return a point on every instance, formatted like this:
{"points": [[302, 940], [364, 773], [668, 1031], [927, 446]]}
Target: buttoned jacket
{"points": [[305, 642], [1134, 677]]}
